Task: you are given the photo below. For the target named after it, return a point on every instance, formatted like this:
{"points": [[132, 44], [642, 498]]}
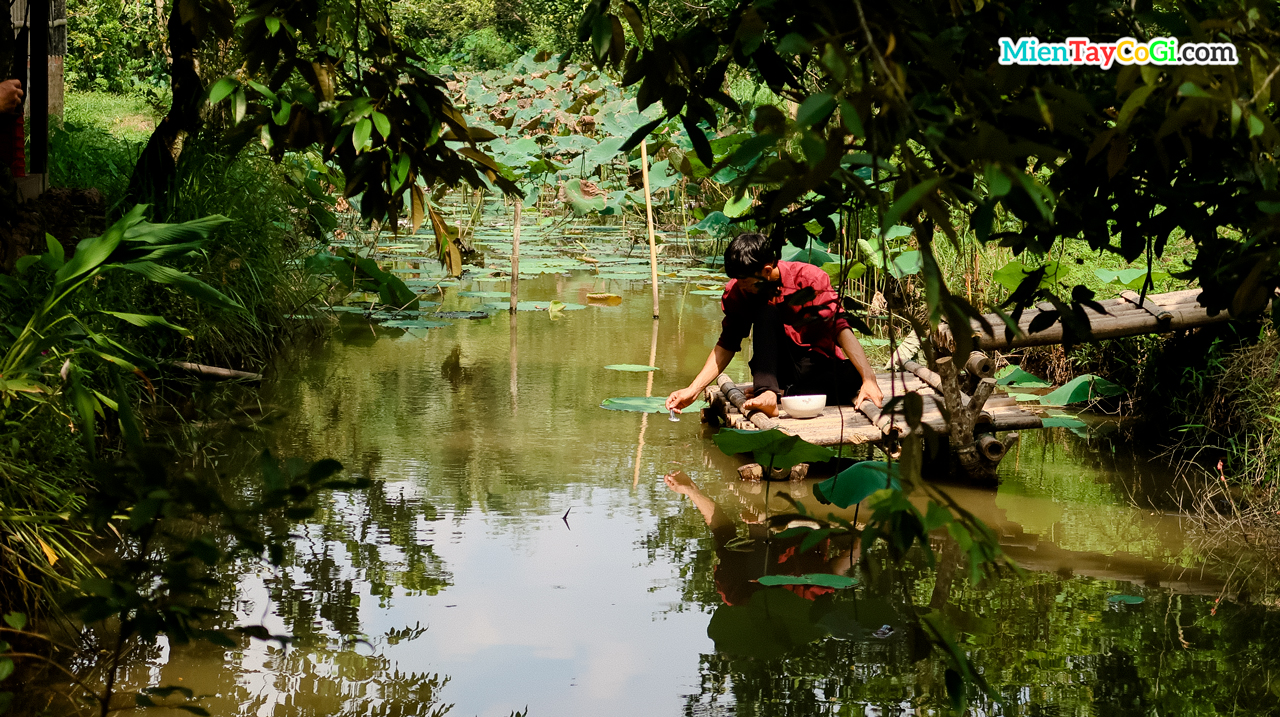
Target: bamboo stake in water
{"points": [[515, 257], [648, 391], [648, 215]]}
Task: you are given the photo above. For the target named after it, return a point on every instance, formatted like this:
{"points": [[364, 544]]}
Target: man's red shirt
{"points": [[812, 323]]}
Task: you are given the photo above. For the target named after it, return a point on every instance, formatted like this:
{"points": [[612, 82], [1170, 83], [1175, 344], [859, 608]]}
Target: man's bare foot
{"points": [[766, 402]]}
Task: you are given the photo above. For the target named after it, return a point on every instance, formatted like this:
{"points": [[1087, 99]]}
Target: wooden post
{"points": [[951, 402], [515, 257], [38, 89], [648, 216]]}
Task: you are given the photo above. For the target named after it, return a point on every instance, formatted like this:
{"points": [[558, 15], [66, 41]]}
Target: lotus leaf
{"points": [[631, 367], [536, 306], [825, 580], [1127, 599], [1081, 389], [738, 206], [771, 448], [707, 292], [1129, 278], [414, 324], [1011, 275], [486, 294], [1014, 376], [645, 404], [853, 484], [812, 255]]}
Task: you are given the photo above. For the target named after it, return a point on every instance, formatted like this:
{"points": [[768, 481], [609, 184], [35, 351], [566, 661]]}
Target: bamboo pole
{"points": [[648, 216], [515, 257], [648, 391]]}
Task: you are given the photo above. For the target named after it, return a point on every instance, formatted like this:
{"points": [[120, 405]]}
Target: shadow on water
{"points": [[521, 541]]}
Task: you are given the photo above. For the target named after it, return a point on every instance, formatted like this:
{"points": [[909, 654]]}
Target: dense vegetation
{"points": [[881, 140]]}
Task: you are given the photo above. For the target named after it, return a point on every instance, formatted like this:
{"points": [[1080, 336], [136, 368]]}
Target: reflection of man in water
{"points": [[738, 568]]}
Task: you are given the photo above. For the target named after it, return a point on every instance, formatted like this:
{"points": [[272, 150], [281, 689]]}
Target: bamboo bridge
{"points": [[965, 392]]}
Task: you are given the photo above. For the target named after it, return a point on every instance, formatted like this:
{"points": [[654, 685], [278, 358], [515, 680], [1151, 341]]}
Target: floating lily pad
{"points": [[707, 292], [1014, 376], [631, 367], [486, 294], [1127, 599], [1081, 389], [643, 404], [1063, 422], [1024, 397], [825, 580], [413, 324], [537, 306], [462, 314]]}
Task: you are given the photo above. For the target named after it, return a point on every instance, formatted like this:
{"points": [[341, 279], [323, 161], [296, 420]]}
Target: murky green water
{"points": [[519, 549]]}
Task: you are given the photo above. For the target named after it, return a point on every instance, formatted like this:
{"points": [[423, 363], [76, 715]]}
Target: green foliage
{"points": [[853, 484], [1082, 389], [114, 45], [41, 310], [1035, 143], [772, 449]]}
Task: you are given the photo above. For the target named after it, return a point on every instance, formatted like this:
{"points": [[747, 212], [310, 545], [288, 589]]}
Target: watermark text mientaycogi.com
{"points": [[1125, 51]]}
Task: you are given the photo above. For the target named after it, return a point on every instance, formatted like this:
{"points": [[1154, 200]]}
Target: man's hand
{"points": [[680, 482], [765, 401], [682, 398], [10, 96], [870, 391]]}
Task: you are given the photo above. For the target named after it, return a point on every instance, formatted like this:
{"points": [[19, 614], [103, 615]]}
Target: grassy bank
{"points": [[253, 261]]}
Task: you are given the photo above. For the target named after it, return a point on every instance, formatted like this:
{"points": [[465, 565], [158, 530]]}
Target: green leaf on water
{"points": [[707, 292], [853, 484], [823, 579], [536, 306], [771, 448], [1063, 422], [413, 324], [645, 404], [1127, 599], [1081, 389], [486, 294], [638, 368], [1013, 376]]}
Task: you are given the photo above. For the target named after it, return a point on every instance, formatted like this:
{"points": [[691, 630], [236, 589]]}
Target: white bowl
{"points": [[804, 406]]}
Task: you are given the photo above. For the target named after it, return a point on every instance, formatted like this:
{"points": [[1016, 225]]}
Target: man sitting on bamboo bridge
{"points": [[801, 343]]}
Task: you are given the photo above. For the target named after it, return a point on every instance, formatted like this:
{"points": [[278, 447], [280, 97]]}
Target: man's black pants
{"points": [[780, 365]]}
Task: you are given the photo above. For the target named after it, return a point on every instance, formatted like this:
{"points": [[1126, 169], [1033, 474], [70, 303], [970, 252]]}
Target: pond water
{"points": [[519, 551]]}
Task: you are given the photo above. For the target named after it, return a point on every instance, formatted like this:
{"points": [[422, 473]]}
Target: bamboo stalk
{"points": [[216, 372], [648, 216], [515, 257]]}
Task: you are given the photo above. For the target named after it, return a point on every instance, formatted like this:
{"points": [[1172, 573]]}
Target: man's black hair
{"points": [[747, 254]]}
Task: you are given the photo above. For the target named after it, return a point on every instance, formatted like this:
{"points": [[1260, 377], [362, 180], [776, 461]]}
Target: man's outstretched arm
{"points": [[870, 390], [718, 359]]}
